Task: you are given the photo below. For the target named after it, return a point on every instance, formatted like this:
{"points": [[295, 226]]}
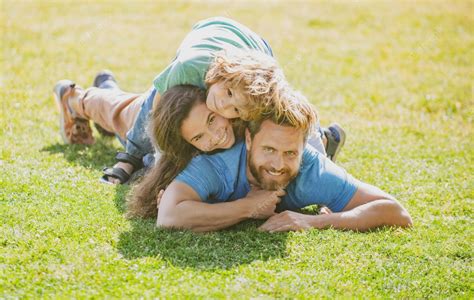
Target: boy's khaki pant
{"points": [[113, 109]]}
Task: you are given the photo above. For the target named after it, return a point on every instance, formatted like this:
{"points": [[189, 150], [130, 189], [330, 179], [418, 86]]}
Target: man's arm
{"points": [[181, 207], [369, 208]]}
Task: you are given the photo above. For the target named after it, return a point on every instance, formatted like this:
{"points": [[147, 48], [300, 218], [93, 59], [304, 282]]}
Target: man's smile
{"points": [[275, 173]]}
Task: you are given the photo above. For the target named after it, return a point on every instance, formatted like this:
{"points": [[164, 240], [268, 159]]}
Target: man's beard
{"points": [[269, 185]]}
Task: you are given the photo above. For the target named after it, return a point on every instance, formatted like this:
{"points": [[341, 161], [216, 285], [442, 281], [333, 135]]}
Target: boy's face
{"points": [[274, 155], [226, 101], [206, 130]]}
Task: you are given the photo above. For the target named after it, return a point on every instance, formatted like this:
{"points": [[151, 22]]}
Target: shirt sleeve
{"points": [[324, 183], [180, 72], [202, 177]]}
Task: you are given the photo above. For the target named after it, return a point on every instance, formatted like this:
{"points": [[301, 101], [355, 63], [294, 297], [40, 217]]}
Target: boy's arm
{"points": [[369, 208], [181, 207]]}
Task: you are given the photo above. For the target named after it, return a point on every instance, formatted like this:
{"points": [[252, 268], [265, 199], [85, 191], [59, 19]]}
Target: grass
{"points": [[397, 75]]}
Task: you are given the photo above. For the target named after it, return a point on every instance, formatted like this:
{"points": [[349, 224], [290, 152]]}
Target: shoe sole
{"points": [[75, 139], [57, 97], [103, 73]]}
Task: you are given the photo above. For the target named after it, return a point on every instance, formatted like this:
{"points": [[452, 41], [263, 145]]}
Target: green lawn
{"points": [[397, 75]]}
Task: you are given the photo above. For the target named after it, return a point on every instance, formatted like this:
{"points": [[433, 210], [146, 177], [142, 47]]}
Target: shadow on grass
{"points": [[96, 156], [241, 244]]}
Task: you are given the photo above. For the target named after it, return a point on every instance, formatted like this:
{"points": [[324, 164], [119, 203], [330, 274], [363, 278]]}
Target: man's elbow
{"points": [[400, 216], [166, 223], [169, 222]]}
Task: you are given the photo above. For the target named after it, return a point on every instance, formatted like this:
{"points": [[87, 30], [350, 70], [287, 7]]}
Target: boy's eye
{"points": [[229, 93], [211, 120]]}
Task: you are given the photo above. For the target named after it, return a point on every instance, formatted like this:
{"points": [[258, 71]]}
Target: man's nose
{"points": [[277, 163]]}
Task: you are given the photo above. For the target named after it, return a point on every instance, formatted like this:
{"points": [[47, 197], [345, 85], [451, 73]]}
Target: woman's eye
{"points": [[229, 93], [211, 120], [237, 110]]}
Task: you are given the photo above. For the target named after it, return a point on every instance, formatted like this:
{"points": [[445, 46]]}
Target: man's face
{"points": [[207, 130], [226, 101], [274, 155]]}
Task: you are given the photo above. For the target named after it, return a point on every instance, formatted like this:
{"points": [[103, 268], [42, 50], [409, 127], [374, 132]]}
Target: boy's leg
{"points": [[335, 139], [316, 140], [328, 141], [112, 109]]}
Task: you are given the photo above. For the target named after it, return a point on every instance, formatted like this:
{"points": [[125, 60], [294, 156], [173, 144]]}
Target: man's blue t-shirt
{"points": [[222, 177]]}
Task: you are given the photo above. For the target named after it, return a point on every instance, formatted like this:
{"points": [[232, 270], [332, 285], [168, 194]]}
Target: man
{"points": [[273, 170]]}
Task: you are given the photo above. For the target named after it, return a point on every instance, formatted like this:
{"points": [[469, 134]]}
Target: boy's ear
{"points": [[248, 139]]}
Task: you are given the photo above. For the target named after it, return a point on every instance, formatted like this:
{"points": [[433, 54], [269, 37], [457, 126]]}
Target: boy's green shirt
{"points": [[197, 50]]}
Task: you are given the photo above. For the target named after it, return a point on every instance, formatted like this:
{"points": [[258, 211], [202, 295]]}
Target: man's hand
{"points": [[287, 221], [261, 203], [125, 166]]}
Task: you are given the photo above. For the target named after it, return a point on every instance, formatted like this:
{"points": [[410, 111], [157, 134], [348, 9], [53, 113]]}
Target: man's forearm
{"points": [[364, 217], [200, 216]]}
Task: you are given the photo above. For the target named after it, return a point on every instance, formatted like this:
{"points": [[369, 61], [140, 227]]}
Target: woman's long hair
{"points": [[164, 129]]}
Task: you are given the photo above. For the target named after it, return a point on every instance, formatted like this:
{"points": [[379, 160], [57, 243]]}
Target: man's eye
{"points": [[291, 153], [269, 150], [237, 110], [229, 93]]}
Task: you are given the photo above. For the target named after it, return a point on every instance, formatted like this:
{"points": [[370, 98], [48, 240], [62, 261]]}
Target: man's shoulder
{"points": [[310, 157], [312, 165]]}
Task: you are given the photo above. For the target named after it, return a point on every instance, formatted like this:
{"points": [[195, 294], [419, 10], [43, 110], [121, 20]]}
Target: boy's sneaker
{"points": [[336, 136], [74, 130]]}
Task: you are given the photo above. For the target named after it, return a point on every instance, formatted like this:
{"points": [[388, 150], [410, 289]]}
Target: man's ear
{"points": [[248, 139]]}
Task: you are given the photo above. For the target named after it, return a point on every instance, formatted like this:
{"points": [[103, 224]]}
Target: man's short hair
{"points": [[297, 113]]}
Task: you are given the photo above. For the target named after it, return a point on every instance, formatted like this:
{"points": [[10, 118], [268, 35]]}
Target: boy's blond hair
{"points": [[256, 74], [268, 93]]}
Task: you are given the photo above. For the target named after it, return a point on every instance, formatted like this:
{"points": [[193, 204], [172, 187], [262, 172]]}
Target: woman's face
{"points": [[225, 100], [206, 130]]}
